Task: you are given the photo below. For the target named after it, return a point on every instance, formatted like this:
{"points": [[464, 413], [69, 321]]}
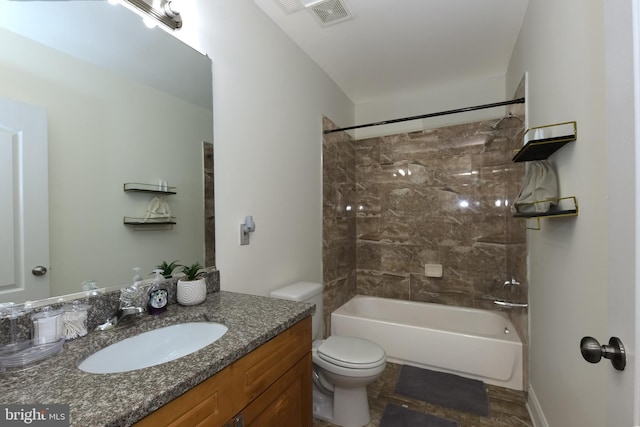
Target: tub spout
{"points": [[507, 304]]}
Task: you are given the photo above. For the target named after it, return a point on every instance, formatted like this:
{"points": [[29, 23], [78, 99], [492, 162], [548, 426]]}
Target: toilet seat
{"points": [[351, 352]]}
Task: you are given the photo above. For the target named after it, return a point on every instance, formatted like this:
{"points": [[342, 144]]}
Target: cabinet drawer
{"points": [[207, 404], [288, 402], [255, 372]]}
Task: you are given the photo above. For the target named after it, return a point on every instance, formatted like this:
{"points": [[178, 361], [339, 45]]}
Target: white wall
{"points": [[622, 92], [90, 159], [561, 47], [452, 96], [269, 99]]}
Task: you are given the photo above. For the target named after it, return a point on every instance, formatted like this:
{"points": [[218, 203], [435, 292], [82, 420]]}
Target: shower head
{"points": [[508, 116]]}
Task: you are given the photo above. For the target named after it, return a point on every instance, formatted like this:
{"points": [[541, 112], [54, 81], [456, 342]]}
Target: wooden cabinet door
{"points": [[288, 402], [259, 369], [276, 377], [207, 404]]}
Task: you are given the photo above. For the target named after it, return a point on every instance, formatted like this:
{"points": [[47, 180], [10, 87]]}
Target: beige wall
{"points": [[561, 47]]}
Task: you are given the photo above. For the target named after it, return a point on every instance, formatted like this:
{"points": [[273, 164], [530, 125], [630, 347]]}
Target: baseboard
{"points": [[535, 410]]}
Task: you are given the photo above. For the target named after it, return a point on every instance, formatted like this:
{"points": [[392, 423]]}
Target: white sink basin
{"points": [[153, 347]]}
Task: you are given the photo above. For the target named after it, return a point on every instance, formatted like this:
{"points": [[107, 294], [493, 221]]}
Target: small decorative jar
{"points": [[75, 320], [47, 326], [191, 292]]}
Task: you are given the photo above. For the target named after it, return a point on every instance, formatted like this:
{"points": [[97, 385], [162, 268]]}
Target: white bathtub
{"points": [[478, 344]]}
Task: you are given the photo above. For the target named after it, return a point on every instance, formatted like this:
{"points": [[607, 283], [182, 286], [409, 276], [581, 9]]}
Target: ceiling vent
{"points": [[290, 6], [326, 12], [330, 12]]}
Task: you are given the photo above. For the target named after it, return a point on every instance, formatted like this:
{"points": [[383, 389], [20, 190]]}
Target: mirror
{"points": [[124, 104]]}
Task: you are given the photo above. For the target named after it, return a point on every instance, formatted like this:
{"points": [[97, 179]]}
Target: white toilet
{"points": [[343, 366]]}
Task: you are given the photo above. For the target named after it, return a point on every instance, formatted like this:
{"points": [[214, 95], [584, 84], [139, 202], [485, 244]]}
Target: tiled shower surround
{"points": [[339, 237], [435, 197], [441, 196]]}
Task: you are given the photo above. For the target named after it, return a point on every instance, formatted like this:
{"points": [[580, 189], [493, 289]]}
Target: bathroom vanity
{"points": [[258, 373], [271, 386]]}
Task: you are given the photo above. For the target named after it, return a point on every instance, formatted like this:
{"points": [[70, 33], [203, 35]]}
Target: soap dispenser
{"points": [[158, 295], [137, 277]]}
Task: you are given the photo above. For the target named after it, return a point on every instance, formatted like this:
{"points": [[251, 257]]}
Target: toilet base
{"points": [[322, 406], [348, 407], [351, 407]]}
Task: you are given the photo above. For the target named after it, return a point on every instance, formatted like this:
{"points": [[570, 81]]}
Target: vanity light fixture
{"points": [[164, 11], [246, 228]]}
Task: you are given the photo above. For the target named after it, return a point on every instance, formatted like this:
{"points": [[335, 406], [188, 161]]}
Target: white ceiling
{"points": [[392, 47]]}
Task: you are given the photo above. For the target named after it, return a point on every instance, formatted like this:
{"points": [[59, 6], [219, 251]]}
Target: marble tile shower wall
{"points": [[393, 204], [339, 220], [209, 206], [440, 197]]}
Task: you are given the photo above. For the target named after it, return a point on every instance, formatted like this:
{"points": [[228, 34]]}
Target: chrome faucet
{"points": [[132, 308]]}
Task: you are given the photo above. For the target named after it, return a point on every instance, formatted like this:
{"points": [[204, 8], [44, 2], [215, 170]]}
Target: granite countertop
{"points": [[124, 398]]}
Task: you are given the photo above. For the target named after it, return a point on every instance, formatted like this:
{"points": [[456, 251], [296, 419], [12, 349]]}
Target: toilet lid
{"points": [[351, 352]]}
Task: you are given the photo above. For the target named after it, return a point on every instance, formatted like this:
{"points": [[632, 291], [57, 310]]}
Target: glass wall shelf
{"points": [[540, 142], [149, 188]]}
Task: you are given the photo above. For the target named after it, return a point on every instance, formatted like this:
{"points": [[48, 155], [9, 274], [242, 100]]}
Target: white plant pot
{"points": [[191, 292]]}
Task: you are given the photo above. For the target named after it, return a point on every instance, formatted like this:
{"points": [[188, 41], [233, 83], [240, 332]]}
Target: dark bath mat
{"points": [[398, 416], [452, 391]]}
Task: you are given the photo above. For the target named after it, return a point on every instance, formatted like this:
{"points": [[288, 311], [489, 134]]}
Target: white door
{"points": [[622, 46], [24, 202]]}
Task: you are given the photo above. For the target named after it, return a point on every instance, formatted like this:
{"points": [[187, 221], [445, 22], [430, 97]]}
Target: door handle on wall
{"points": [[593, 352]]}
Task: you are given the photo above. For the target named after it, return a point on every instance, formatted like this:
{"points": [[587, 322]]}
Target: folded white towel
{"points": [[539, 191]]}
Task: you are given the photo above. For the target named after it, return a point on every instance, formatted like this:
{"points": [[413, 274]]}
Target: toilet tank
{"points": [[305, 292]]}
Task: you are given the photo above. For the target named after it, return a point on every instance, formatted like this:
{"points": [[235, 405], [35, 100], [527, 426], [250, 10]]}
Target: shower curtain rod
{"points": [[424, 116]]}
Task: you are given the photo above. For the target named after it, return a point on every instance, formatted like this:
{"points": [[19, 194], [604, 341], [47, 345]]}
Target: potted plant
{"points": [[192, 288], [167, 269]]}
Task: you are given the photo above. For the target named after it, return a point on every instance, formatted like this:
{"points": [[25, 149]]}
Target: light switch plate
{"points": [[244, 236]]}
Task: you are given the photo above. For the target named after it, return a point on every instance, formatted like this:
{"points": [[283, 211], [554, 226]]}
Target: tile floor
{"points": [[506, 407]]}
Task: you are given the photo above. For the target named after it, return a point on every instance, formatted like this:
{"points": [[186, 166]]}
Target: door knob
{"points": [[39, 271], [592, 351]]}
